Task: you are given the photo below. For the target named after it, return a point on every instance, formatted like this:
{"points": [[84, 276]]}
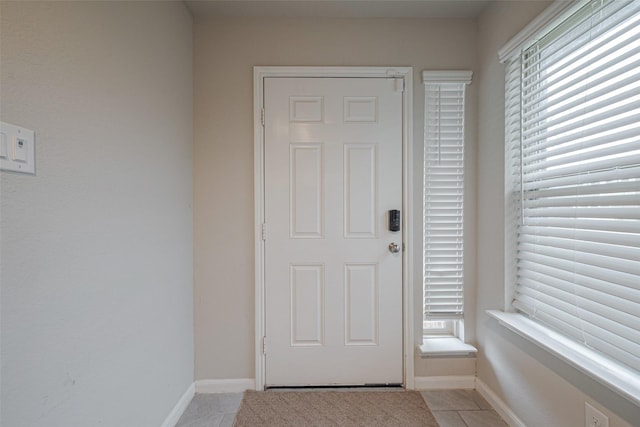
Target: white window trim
{"points": [[445, 347], [556, 12], [442, 76], [617, 378]]}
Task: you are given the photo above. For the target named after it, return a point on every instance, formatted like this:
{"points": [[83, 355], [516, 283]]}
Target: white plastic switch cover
{"points": [[18, 149], [20, 153]]}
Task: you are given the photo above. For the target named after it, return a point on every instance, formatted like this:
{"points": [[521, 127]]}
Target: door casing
{"points": [[406, 73]]}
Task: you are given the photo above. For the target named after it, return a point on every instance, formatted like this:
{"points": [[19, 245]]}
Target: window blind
{"points": [[444, 194], [572, 124]]}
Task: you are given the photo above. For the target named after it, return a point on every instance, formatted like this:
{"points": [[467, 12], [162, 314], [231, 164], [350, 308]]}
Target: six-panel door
{"points": [[333, 289]]}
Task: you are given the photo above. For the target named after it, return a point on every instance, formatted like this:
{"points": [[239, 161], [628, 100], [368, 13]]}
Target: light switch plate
{"points": [[17, 149], [4, 146]]}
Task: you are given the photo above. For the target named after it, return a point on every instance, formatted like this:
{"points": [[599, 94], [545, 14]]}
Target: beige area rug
{"points": [[334, 408]]}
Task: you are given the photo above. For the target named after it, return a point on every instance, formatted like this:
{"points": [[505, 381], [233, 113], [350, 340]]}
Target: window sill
{"points": [[619, 379], [445, 347]]}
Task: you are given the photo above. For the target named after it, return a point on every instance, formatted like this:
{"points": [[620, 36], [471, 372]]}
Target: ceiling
{"points": [[338, 8]]}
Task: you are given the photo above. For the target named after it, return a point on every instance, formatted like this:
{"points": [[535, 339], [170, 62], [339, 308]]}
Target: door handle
{"points": [[394, 248]]}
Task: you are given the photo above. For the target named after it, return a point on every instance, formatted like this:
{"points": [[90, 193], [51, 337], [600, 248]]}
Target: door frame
{"points": [[406, 73]]}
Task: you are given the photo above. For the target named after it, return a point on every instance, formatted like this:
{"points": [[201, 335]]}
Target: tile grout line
{"points": [[460, 415]]}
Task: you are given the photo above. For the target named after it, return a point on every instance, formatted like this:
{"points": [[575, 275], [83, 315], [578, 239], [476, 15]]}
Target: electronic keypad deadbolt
{"points": [[394, 220]]}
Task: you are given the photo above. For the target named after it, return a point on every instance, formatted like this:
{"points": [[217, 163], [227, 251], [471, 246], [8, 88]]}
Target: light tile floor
{"points": [[451, 408], [211, 410], [461, 408]]}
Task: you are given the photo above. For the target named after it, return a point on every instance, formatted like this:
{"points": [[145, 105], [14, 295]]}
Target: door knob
{"points": [[394, 248]]}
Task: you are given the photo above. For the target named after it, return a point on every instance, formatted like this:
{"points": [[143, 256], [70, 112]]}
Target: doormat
{"points": [[334, 408]]}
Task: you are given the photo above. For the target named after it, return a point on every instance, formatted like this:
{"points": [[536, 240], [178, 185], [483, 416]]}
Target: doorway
{"points": [[331, 274]]}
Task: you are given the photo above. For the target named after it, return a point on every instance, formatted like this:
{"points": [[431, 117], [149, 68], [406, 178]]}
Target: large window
{"points": [[443, 276], [573, 178]]}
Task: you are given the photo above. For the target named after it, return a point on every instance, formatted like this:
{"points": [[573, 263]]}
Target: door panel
{"points": [[306, 191], [361, 304], [333, 290], [360, 190]]}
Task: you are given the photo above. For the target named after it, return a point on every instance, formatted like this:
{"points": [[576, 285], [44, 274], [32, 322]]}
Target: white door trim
{"points": [[406, 73]]}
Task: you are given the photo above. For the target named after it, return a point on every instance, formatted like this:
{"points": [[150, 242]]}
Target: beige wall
{"points": [[225, 51], [97, 297], [540, 389]]}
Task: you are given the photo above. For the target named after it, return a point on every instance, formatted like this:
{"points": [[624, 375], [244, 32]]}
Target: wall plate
{"points": [[593, 417], [17, 149]]}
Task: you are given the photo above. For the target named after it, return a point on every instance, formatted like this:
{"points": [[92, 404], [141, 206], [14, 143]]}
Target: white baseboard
{"points": [[225, 386], [180, 407], [498, 404], [446, 382]]}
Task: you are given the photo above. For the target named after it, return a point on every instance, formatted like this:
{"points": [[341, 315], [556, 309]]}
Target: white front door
{"points": [[333, 285]]}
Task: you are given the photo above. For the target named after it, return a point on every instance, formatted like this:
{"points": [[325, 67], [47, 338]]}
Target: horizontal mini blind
{"points": [[573, 122], [444, 194]]}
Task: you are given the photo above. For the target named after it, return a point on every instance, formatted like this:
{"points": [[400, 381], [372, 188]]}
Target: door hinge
{"points": [[264, 345], [264, 232], [399, 85], [262, 116]]}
